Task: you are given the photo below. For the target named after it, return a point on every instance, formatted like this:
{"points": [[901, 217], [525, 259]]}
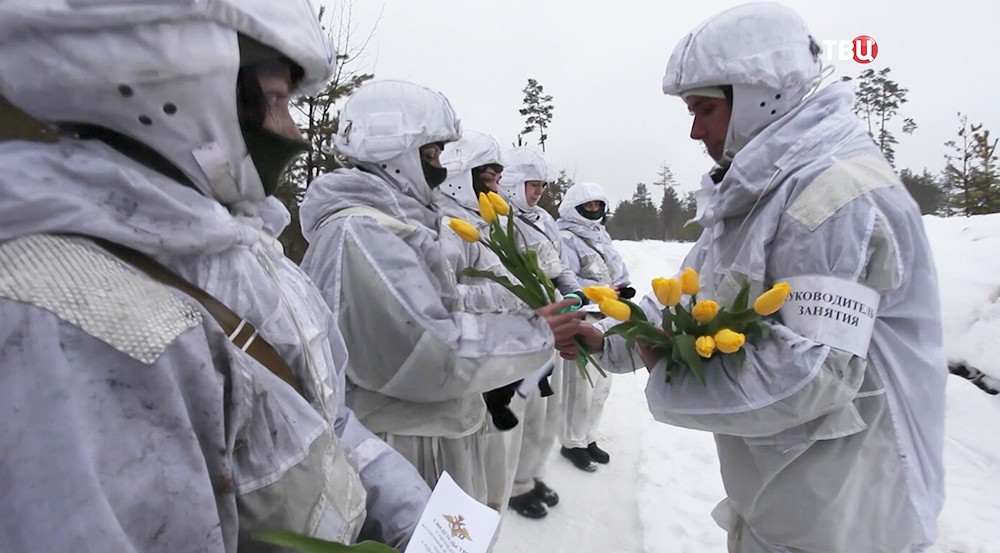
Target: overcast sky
{"points": [[602, 61]]}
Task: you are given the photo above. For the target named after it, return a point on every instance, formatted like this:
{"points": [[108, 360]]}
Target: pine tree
{"points": [[971, 177], [671, 215], [985, 178], [553, 194], [925, 189], [619, 226], [690, 231], [671, 211], [537, 111], [636, 219], [878, 100], [957, 170]]}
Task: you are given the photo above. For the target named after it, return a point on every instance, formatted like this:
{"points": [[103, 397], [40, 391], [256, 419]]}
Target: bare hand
{"points": [[591, 337], [564, 325], [649, 357]]}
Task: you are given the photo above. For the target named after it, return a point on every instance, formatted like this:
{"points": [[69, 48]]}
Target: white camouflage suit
{"points": [[418, 363], [830, 436], [132, 421], [456, 198], [592, 256], [542, 418]]}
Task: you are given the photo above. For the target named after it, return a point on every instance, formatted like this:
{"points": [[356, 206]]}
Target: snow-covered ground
{"points": [[657, 493]]}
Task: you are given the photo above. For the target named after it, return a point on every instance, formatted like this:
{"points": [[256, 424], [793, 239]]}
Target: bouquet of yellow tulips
{"points": [[533, 287], [699, 330]]}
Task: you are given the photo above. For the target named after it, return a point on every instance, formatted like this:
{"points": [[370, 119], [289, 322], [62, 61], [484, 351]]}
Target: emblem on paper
{"points": [[458, 529]]}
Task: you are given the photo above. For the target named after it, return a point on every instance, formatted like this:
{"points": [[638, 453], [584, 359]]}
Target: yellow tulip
{"points": [[771, 301], [597, 294], [704, 311], [689, 281], [486, 209], [667, 290], [499, 204], [465, 230], [616, 310], [728, 341], [705, 346]]}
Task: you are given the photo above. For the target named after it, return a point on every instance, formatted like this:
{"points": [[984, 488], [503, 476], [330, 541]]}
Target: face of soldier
{"points": [[711, 123], [533, 191]]}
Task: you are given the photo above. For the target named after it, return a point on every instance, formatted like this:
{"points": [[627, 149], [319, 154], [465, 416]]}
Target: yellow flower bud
{"points": [[499, 204], [667, 290], [616, 310], [486, 209], [689, 281], [465, 230], [705, 346], [771, 301], [728, 341], [597, 294], [704, 311]]}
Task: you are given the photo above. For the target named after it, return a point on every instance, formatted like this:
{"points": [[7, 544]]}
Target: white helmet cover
{"points": [[763, 50], [162, 73], [579, 194], [473, 150], [521, 165], [384, 124]]}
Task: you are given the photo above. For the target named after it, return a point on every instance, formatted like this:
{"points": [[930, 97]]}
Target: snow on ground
{"points": [[966, 253], [657, 493]]}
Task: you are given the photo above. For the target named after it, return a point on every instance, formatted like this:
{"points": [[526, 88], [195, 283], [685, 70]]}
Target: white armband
{"points": [[831, 311]]}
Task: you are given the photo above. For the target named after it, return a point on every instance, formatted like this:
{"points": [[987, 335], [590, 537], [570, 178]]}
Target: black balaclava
{"points": [[271, 152], [591, 215], [433, 175], [478, 184]]}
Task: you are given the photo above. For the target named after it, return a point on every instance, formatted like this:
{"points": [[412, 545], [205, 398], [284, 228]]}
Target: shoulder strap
{"points": [[240, 331], [591, 246], [533, 225], [397, 227]]}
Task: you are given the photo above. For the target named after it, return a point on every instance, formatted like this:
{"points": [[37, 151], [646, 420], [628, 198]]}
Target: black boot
{"points": [[580, 457], [528, 505], [545, 494], [598, 454]]}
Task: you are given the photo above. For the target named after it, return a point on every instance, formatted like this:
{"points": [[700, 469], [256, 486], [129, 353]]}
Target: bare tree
{"points": [[318, 114]]}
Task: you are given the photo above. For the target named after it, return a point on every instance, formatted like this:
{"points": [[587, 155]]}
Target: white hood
{"points": [[474, 149], [172, 85], [764, 51], [579, 194], [384, 124], [521, 165]]}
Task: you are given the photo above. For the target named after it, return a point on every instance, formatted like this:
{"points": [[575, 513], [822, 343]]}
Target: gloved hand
{"points": [[498, 402], [544, 388], [626, 292]]}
